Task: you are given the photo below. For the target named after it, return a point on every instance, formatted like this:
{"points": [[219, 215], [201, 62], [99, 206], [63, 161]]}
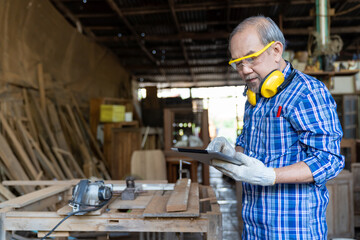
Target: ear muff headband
{"points": [[274, 83]]}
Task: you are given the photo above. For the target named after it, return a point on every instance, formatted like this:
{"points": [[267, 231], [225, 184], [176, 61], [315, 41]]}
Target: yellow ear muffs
{"points": [[274, 83], [251, 97], [271, 83]]}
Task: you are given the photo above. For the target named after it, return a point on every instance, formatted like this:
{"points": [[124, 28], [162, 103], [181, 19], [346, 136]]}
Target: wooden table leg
{"points": [[205, 174]]}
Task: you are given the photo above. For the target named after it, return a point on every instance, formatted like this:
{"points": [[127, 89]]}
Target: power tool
{"points": [[89, 196]]}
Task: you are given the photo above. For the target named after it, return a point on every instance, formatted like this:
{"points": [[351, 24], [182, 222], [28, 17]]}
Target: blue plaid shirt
{"points": [[308, 130]]}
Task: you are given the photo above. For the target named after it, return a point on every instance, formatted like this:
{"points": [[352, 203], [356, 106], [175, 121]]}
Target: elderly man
{"points": [[290, 144]]}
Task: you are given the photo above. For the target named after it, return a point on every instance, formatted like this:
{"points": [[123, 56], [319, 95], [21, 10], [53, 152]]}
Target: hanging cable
{"points": [[95, 207]]}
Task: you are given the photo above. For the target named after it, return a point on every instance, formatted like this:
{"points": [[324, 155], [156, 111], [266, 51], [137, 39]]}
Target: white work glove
{"points": [[251, 171], [220, 144]]}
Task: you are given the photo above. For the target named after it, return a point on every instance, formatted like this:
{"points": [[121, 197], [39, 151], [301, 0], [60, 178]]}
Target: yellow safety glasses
{"points": [[249, 59]]}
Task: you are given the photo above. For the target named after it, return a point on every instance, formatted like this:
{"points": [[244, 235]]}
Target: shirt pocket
{"points": [[277, 136]]}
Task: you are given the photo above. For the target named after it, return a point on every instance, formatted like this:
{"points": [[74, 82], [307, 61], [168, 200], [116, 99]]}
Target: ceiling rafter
{"points": [[228, 13], [173, 13], [196, 39], [75, 20], [138, 39]]}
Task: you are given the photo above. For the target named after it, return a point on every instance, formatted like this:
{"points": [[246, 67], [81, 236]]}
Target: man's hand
{"points": [[220, 144], [251, 171]]}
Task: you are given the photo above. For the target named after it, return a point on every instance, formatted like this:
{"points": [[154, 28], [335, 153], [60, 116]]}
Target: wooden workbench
{"points": [[28, 213]]}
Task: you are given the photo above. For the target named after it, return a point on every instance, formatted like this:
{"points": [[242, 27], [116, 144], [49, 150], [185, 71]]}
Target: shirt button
{"points": [[251, 152], [252, 128]]}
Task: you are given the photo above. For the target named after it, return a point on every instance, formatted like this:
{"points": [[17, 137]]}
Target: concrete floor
{"points": [[226, 196]]}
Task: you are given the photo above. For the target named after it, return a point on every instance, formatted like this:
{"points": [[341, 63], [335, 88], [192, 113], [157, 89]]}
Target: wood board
{"points": [[34, 196], [178, 200], [140, 202], [157, 206]]}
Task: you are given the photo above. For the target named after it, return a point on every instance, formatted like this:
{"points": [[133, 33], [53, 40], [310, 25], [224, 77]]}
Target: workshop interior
{"points": [[107, 108]]}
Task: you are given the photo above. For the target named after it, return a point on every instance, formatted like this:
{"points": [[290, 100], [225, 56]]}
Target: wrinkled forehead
{"points": [[244, 43]]}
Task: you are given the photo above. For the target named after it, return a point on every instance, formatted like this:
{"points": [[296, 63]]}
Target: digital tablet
{"points": [[205, 156]]}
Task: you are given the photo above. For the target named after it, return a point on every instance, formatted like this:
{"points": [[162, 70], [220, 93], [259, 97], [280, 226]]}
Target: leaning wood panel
{"points": [[340, 211], [124, 142]]}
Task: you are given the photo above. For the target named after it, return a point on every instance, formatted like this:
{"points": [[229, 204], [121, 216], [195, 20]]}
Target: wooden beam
{"points": [[210, 5], [76, 21], [32, 197], [116, 8], [109, 222], [173, 13]]}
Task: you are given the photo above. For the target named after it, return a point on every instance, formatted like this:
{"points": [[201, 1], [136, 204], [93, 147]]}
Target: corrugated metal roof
{"points": [[174, 42]]}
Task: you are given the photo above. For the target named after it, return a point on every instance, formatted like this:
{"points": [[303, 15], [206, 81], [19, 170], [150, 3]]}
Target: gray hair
{"points": [[267, 29]]}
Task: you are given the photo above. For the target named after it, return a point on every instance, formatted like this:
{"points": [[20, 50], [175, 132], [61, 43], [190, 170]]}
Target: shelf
{"points": [[333, 73]]}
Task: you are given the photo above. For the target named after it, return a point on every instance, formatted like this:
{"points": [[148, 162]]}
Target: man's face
{"points": [[253, 70]]}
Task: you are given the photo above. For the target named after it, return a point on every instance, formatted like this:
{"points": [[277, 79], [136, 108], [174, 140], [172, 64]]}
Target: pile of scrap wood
{"points": [[44, 139]]}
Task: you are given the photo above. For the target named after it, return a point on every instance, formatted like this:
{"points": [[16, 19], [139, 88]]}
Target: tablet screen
{"points": [[205, 156]]}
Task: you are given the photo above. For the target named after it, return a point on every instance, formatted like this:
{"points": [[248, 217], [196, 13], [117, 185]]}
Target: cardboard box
{"points": [[112, 113]]}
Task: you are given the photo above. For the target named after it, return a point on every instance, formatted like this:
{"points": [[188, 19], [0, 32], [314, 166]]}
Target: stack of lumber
{"points": [[44, 139]]}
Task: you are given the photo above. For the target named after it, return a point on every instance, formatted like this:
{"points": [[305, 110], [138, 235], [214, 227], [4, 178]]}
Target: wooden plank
{"points": [[41, 182], [47, 156], [140, 202], [44, 122], [12, 163], [32, 197], [178, 200], [89, 166], [26, 143], [47, 166], [18, 147], [103, 170], [106, 222], [88, 130], [76, 181], [41, 86], [56, 126], [6, 192], [72, 161], [157, 205], [29, 115]]}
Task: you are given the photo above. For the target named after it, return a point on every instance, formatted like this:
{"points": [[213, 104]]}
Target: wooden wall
{"points": [[33, 32]]}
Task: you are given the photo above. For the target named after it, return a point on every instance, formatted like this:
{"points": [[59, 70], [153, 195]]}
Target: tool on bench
{"points": [[130, 192], [87, 196]]}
